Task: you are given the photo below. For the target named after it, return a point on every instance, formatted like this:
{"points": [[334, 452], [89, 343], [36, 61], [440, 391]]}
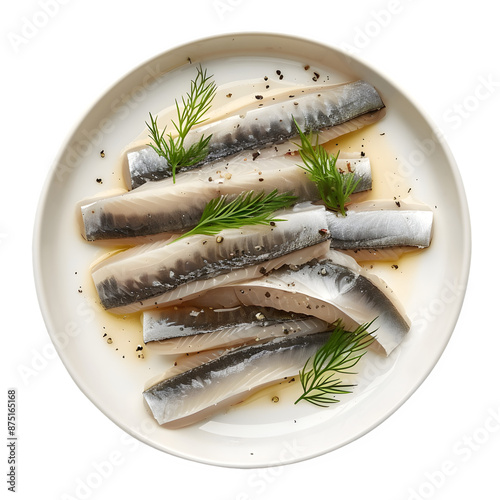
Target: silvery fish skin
{"points": [[370, 225], [184, 362], [330, 288], [208, 388], [314, 109], [163, 206], [148, 275], [189, 329]]}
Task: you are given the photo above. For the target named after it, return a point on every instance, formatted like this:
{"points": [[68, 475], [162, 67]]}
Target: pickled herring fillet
{"points": [[197, 393], [149, 275], [189, 329], [370, 225], [195, 288], [184, 362], [314, 108], [167, 207], [329, 288]]}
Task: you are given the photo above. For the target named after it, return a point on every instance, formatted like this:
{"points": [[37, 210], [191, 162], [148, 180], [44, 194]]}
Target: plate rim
{"points": [[43, 198]]}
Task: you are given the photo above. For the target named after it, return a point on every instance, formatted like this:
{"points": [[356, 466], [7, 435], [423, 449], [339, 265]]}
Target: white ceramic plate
{"points": [[407, 155]]}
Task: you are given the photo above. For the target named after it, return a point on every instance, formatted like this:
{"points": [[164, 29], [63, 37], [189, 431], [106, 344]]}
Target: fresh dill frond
{"points": [[247, 209], [341, 352], [334, 187], [194, 106]]}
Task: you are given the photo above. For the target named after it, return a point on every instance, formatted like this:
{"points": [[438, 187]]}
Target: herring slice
{"points": [[163, 206], [184, 362], [175, 330], [381, 224], [147, 276], [334, 109], [197, 393], [329, 288]]}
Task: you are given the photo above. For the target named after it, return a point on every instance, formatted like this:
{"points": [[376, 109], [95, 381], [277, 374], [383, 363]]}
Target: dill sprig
{"points": [[341, 352], [194, 106], [247, 209], [334, 187]]}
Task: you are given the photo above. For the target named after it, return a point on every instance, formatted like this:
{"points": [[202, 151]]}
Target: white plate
{"points": [[406, 153]]}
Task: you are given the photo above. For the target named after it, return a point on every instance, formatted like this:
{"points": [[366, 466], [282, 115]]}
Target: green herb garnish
{"points": [[334, 187], [194, 106], [247, 209], [341, 352]]}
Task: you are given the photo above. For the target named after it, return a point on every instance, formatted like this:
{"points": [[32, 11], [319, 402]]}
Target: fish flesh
{"points": [[348, 106], [149, 275], [190, 329], [370, 225], [197, 393], [329, 288], [120, 292], [163, 206], [184, 362]]}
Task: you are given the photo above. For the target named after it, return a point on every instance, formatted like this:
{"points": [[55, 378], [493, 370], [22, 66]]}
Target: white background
{"points": [[444, 442]]}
